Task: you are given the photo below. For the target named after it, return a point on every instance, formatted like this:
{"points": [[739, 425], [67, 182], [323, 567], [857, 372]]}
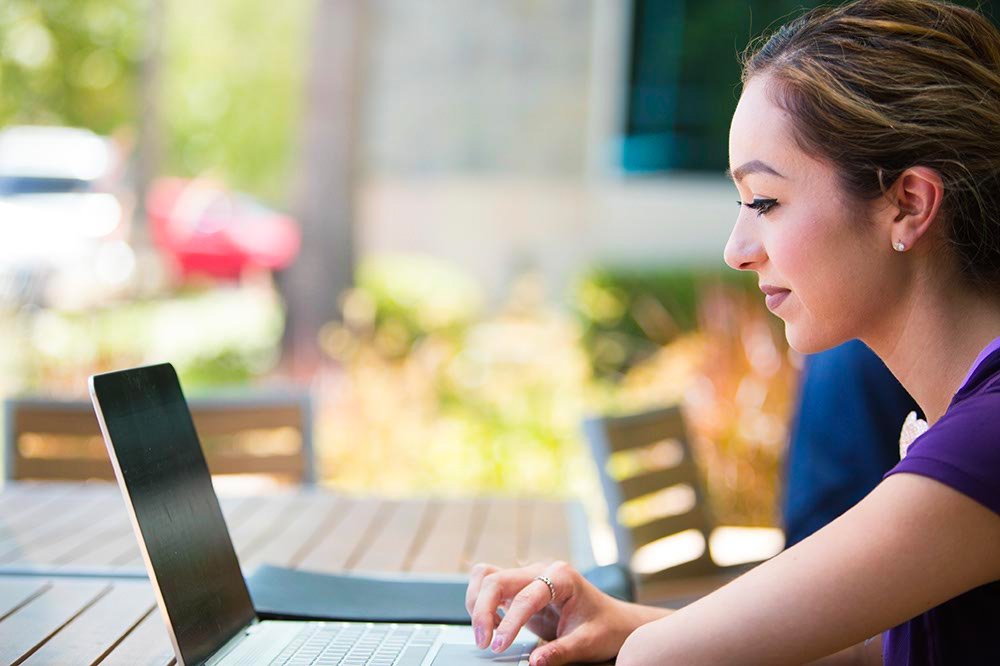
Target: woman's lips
{"points": [[773, 300], [775, 296]]}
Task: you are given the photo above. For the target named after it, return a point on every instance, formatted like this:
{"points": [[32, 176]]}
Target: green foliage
{"points": [[70, 62], [629, 313], [494, 405], [195, 331], [232, 90], [489, 402], [230, 85], [403, 298]]}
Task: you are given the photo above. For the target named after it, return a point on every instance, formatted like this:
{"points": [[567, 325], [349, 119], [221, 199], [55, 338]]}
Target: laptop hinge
{"points": [[231, 644]]}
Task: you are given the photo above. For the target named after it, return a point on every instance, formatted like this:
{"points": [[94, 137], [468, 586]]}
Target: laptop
{"points": [[192, 565]]}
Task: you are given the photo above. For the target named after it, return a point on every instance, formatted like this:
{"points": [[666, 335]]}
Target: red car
{"points": [[211, 231]]}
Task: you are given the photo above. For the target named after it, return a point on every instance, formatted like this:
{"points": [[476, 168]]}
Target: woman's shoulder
{"points": [[962, 449], [970, 428]]}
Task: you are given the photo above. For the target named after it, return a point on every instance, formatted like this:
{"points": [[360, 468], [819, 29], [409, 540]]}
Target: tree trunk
{"points": [[148, 143], [324, 187]]}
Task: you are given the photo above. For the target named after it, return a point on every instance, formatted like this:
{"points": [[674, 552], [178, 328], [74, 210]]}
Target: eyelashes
{"points": [[762, 206]]}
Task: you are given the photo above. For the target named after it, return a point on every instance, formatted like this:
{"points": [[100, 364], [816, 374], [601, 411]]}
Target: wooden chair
{"points": [[652, 490], [255, 433]]}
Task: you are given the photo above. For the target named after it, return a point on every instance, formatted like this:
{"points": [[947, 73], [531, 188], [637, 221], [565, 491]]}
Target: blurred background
{"points": [[460, 226]]}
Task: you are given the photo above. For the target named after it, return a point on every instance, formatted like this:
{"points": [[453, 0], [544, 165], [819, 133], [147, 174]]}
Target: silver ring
{"points": [[552, 588]]}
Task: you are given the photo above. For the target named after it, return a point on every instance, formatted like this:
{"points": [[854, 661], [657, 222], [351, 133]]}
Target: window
{"points": [[683, 77]]}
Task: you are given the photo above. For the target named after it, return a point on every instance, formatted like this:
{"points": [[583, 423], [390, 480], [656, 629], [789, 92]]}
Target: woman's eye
{"points": [[762, 206]]}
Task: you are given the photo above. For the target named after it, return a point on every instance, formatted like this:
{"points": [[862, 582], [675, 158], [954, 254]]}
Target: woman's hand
{"points": [[580, 622]]}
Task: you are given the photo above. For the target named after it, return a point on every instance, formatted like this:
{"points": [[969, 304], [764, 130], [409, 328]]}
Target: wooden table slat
{"points": [[549, 531], [59, 547], [84, 529], [429, 519], [237, 510], [128, 562], [324, 525], [25, 501], [375, 525], [16, 592], [271, 531], [146, 645], [21, 527], [443, 549], [93, 633], [115, 548], [392, 546], [265, 514], [293, 535], [498, 540], [60, 525], [121, 554], [477, 524], [336, 546], [35, 622]]}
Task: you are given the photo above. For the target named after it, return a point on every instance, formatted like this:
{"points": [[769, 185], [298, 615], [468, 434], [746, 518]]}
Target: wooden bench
{"points": [[253, 433]]}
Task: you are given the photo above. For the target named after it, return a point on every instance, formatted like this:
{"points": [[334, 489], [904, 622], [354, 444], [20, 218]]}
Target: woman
{"points": [[866, 152]]}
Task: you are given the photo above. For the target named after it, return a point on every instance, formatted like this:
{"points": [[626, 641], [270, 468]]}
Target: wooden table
{"points": [[73, 589]]}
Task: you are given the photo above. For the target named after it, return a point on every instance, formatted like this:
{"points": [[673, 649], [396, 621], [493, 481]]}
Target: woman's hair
{"points": [[878, 86]]}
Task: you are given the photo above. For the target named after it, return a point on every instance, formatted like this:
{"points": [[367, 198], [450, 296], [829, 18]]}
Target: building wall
{"points": [[481, 86], [489, 140], [495, 228]]}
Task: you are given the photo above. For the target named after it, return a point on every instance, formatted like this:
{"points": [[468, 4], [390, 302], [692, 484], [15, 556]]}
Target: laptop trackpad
{"points": [[462, 655]]}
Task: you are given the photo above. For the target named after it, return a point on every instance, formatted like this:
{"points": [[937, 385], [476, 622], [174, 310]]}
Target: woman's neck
{"points": [[932, 339]]}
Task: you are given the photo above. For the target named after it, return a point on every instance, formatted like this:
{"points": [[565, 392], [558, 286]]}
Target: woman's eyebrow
{"points": [[753, 166]]}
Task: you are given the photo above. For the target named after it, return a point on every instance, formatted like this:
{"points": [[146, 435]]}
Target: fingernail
{"points": [[480, 637], [542, 661], [498, 641]]}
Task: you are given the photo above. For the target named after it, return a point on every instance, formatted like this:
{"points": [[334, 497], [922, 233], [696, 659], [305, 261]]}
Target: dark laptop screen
{"points": [[201, 588]]}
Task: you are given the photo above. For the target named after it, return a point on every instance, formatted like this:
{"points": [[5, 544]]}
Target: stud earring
{"points": [[898, 246]]}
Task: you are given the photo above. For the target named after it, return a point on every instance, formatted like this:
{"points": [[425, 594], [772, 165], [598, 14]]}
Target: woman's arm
{"points": [[912, 544], [867, 653]]}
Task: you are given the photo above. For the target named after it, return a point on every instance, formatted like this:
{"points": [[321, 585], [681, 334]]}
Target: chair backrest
{"points": [[255, 433], [651, 484]]}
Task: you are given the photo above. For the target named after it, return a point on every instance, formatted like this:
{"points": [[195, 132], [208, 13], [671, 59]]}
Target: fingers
{"points": [[476, 576], [531, 599], [482, 630], [566, 650], [496, 587]]}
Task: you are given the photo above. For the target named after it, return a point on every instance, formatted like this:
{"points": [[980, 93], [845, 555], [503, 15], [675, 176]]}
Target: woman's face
{"points": [[811, 246]]}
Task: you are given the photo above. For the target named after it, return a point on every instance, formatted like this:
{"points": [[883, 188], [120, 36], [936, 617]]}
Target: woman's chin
{"points": [[805, 343]]}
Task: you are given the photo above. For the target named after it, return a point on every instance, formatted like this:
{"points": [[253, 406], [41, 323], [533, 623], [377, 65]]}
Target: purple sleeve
{"points": [[962, 450]]}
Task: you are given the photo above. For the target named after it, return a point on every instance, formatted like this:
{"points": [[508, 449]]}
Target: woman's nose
{"points": [[744, 250]]}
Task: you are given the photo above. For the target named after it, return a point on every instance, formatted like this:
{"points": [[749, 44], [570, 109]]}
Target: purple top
{"points": [[962, 451], [987, 350]]}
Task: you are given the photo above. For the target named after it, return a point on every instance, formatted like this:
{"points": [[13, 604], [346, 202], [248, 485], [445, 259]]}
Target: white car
{"points": [[64, 228]]}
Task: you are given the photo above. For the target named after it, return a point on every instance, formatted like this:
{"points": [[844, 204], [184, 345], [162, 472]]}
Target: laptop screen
{"points": [[162, 471]]}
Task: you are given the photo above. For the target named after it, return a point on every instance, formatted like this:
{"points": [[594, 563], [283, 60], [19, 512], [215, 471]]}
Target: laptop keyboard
{"points": [[358, 644]]}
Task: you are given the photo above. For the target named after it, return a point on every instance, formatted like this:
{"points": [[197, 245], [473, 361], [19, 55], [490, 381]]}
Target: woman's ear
{"points": [[915, 199]]}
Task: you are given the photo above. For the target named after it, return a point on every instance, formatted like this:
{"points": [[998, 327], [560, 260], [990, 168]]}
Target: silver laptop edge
{"points": [[261, 641], [135, 523]]}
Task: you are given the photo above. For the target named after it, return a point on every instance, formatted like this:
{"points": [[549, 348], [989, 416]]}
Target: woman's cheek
{"points": [[793, 251]]}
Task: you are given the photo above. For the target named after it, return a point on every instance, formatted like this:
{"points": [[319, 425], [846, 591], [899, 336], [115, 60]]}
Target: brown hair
{"points": [[878, 86]]}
